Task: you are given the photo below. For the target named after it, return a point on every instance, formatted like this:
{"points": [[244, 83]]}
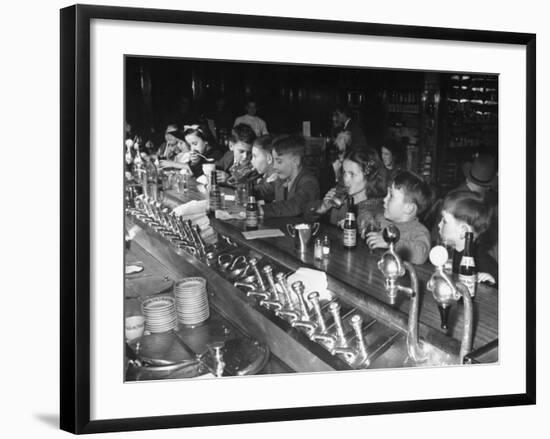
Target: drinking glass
{"points": [[241, 195], [372, 226], [339, 196]]}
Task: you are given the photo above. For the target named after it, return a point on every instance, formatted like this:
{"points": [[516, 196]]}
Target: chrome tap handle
{"points": [[281, 281], [326, 339], [288, 314], [298, 288], [268, 270], [334, 308], [202, 244], [356, 323], [348, 353], [254, 264], [272, 304], [313, 297], [309, 327], [255, 293]]}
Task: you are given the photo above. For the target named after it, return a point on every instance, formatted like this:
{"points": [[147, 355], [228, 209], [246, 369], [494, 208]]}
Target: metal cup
{"points": [[302, 234]]}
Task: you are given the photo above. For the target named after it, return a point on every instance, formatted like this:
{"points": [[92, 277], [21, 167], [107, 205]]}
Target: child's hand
{"points": [[325, 205], [375, 240], [485, 277], [166, 164], [221, 176]]}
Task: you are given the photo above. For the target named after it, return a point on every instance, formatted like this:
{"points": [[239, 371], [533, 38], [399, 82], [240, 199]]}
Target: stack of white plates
{"points": [[160, 314], [192, 301]]}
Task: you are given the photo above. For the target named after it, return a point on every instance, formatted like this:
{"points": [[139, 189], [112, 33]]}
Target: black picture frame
{"points": [[75, 216]]}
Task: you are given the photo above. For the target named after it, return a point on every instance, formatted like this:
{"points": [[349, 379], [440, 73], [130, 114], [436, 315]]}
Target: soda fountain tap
{"points": [[341, 347], [321, 334], [305, 321], [288, 312], [445, 292], [274, 302], [313, 297], [268, 271], [334, 309], [281, 281], [254, 264], [200, 242], [356, 323], [391, 265], [298, 288]]}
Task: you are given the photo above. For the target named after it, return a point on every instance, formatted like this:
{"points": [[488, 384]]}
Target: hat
{"points": [[482, 171]]}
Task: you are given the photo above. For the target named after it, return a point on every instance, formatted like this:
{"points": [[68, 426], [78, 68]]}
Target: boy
{"points": [[407, 198], [294, 187], [468, 212], [237, 159], [262, 160]]}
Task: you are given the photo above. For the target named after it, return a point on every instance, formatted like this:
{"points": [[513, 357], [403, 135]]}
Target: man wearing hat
{"points": [[481, 178], [481, 175]]}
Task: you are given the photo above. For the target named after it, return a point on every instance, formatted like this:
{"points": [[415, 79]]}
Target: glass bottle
{"points": [[467, 271], [251, 213]]}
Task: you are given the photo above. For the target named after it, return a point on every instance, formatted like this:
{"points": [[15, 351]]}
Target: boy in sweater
{"points": [[407, 198]]}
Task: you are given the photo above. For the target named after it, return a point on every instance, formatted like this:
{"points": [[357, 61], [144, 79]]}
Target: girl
{"points": [[200, 151], [391, 153], [365, 180]]}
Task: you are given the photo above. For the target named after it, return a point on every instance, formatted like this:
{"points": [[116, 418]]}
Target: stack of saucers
{"points": [[160, 314], [192, 301]]}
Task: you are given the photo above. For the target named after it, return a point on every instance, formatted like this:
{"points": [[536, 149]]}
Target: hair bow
{"points": [[371, 169], [192, 127]]}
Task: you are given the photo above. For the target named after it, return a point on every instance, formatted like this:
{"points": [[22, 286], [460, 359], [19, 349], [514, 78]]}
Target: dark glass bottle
{"points": [[350, 230], [251, 213], [214, 194], [467, 271]]}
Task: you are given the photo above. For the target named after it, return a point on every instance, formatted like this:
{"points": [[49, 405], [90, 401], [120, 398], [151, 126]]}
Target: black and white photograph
{"points": [[293, 218], [278, 218]]}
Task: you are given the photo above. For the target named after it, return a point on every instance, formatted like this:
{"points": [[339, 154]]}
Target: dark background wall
{"points": [[286, 94]]}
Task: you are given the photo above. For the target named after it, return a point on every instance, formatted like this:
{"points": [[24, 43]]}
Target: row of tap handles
{"points": [[271, 289], [181, 233], [275, 294]]}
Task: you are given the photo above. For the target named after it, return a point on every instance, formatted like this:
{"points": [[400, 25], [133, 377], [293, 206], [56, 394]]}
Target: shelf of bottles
{"points": [[402, 101], [403, 107], [472, 111], [430, 100]]}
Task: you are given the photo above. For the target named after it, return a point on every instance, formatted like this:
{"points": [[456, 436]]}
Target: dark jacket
{"points": [[358, 139], [283, 201], [225, 163]]}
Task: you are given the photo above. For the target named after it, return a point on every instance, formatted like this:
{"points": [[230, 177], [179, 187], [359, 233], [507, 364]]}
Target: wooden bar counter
{"points": [[353, 278], [354, 275]]}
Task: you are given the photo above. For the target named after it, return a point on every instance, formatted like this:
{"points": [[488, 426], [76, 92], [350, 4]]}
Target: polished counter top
{"points": [[356, 270]]}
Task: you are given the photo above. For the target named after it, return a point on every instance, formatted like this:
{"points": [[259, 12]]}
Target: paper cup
{"points": [[134, 327], [208, 168]]}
